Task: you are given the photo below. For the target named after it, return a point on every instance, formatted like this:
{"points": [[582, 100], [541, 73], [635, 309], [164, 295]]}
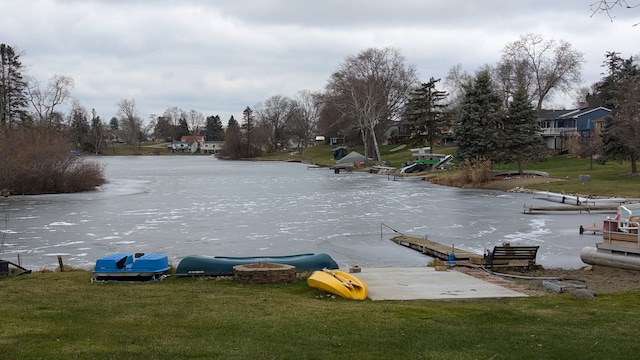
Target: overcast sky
{"points": [[218, 57]]}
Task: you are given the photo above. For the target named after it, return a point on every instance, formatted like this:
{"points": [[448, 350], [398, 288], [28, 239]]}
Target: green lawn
{"points": [[64, 316], [611, 179]]}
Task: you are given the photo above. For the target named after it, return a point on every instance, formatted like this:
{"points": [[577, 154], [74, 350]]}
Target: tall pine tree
{"points": [[213, 129], [479, 124], [522, 140], [424, 113], [13, 98], [232, 140]]}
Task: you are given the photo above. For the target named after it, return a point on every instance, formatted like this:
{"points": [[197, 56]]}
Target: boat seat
{"points": [[120, 264]]}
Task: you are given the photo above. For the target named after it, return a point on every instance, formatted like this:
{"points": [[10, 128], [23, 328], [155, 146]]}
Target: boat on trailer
{"points": [[339, 283], [425, 161], [223, 265], [620, 246], [131, 267]]}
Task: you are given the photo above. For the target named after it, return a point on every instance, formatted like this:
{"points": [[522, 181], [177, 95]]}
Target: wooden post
{"points": [[60, 263]]}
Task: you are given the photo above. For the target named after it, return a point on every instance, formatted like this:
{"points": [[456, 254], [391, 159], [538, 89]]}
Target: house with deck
{"points": [[557, 126]]}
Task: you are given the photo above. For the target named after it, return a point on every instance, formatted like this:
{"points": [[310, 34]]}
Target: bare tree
{"points": [[541, 66], [129, 121], [622, 131], [195, 121], [275, 115], [44, 102], [607, 7], [372, 88], [306, 114], [455, 83]]}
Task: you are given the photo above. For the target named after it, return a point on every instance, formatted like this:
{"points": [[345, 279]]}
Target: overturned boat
{"points": [[131, 267], [338, 283], [223, 265], [620, 246]]}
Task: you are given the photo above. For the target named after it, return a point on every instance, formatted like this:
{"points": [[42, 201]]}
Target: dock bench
{"points": [[500, 254]]}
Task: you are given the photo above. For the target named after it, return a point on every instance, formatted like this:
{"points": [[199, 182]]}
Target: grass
{"points": [[57, 315], [611, 179], [64, 316]]}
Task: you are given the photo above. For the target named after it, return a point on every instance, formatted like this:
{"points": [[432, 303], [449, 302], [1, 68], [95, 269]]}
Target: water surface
{"points": [[198, 205]]}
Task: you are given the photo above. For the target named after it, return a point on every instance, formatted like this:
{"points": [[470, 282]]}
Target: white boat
{"points": [[620, 246], [562, 198]]}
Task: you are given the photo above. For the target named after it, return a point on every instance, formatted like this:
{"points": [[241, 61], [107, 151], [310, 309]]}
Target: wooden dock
{"points": [[590, 229], [436, 250], [579, 208]]}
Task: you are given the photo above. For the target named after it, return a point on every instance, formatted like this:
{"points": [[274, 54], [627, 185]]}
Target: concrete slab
{"points": [[425, 283]]}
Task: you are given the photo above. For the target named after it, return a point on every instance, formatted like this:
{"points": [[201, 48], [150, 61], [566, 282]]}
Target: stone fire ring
{"points": [[264, 273]]}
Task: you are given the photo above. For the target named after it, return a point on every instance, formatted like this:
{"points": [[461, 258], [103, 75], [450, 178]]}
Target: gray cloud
{"points": [[219, 57]]}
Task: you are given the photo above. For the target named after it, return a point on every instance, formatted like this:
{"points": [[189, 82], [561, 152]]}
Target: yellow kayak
{"points": [[338, 283]]}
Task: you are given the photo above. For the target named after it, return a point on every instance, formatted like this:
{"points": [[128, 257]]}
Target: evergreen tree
{"points": [[606, 91], [521, 131], [79, 126], [232, 141], [248, 124], [183, 129], [618, 92], [114, 124], [424, 113], [479, 129], [213, 129], [96, 134], [13, 87]]}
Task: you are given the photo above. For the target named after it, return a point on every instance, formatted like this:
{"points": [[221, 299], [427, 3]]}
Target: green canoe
{"points": [[223, 265]]}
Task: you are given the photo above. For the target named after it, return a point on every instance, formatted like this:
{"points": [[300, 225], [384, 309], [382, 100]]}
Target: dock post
{"points": [[60, 263]]}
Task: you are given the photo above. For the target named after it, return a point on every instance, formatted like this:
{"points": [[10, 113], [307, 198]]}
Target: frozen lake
{"points": [[197, 205]]}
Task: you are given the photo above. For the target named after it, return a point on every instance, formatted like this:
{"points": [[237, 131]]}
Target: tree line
{"points": [[491, 115]]}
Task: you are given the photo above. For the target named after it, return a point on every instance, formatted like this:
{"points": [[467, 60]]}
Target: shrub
{"points": [[39, 161]]}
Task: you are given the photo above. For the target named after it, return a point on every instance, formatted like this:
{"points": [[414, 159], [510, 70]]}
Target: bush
{"points": [[40, 161], [473, 172]]}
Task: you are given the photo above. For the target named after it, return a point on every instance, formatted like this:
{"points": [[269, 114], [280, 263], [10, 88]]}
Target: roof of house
{"points": [[192, 138], [572, 113]]}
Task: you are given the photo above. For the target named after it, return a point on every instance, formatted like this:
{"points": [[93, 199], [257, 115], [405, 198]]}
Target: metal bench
{"points": [[505, 254]]}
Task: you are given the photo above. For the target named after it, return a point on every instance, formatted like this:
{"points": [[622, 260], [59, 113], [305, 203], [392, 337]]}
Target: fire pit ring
{"points": [[264, 273]]}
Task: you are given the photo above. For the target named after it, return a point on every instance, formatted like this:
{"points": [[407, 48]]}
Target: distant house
{"points": [[193, 138], [211, 147], [183, 146], [116, 136], [556, 126]]}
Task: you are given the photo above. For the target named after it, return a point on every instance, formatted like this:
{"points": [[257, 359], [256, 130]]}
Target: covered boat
{"points": [[338, 283], [620, 246], [130, 267], [223, 265]]}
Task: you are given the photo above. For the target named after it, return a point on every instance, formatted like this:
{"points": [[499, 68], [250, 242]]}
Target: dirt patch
{"points": [[598, 279], [516, 184]]}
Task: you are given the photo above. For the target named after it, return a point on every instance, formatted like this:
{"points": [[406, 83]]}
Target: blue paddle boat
{"points": [[131, 267]]}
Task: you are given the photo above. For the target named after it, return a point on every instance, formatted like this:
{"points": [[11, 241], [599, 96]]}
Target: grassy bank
{"points": [[611, 179], [64, 316]]}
